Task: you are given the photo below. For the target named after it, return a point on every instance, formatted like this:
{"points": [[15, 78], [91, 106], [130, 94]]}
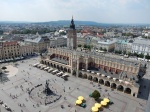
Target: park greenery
{"points": [[141, 55], [33, 31], [85, 46], [96, 95], [103, 49], [4, 68]]}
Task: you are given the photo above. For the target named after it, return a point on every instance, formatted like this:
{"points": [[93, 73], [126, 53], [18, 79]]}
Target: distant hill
{"points": [[57, 23], [14, 22], [67, 22]]}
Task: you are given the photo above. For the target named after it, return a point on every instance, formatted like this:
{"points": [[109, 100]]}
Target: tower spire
{"points": [[72, 25]]}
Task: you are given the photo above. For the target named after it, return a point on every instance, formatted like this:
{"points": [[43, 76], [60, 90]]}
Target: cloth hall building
{"points": [[112, 72]]}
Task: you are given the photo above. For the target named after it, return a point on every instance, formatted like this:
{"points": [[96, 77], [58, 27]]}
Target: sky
{"points": [[102, 11]]}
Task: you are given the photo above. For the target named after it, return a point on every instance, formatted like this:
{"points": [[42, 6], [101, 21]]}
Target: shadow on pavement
{"points": [[144, 89], [4, 78]]}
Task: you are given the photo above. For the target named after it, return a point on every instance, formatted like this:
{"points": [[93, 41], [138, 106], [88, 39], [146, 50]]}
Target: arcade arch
{"points": [[95, 79], [74, 73], [127, 90], [101, 81], [90, 77], [113, 85], [85, 76], [107, 83], [120, 88], [80, 75]]}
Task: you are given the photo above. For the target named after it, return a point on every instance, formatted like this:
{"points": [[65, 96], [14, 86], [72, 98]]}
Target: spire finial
{"points": [[72, 25]]}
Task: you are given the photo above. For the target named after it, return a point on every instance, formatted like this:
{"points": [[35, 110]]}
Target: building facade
{"points": [[107, 44], [121, 45], [10, 49], [72, 36], [14, 49], [114, 73], [98, 68], [39, 44], [1, 48], [60, 41], [141, 46], [25, 49]]}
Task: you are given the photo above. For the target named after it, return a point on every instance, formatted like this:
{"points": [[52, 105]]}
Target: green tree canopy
{"points": [[79, 45], [147, 56], [104, 49], [85, 46], [89, 47], [4, 67], [96, 94], [124, 52], [141, 55]]}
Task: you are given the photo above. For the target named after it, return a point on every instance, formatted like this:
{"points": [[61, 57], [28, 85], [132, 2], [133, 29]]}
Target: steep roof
{"points": [[9, 43]]}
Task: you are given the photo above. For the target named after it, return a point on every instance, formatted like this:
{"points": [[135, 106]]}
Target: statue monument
{"points": [[47, 90]]}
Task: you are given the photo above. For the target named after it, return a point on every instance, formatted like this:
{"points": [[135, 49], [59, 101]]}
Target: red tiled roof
{"points": [[10, 43]]}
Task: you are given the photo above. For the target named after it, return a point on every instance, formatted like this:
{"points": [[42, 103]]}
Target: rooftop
{"points": [[103, 57], [142, 41]]}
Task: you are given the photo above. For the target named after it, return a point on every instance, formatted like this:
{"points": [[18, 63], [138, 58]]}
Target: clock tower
{"points": [[72, 36]]}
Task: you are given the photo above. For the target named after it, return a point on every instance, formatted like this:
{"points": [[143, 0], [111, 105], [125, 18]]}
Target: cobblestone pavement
{"points": [[13, 92]]}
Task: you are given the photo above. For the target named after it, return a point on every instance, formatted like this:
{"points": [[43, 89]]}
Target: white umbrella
{"points": [[108, 77], [114, 79], [98, 74], [120, 80], [92, 72], [126, 82], [88, 70], [103, 75]]}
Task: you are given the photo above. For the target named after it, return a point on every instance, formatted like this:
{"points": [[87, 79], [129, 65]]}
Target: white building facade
{"points": [[141, 46]]}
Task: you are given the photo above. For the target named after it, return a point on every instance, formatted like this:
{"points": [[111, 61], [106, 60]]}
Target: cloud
{"points": [[109, 11]]}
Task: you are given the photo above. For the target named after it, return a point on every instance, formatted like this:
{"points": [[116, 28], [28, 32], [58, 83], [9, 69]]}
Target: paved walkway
{"points": [[28, 76]]}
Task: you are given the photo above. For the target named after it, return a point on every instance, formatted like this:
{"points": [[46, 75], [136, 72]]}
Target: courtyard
{"points": [[21, 77]]}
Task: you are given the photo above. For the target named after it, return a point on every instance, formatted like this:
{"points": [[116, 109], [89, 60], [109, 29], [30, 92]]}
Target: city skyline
{"points": [[102, 11]]}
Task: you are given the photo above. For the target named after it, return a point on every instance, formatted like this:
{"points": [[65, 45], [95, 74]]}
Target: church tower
{"points": [[72, 36]]}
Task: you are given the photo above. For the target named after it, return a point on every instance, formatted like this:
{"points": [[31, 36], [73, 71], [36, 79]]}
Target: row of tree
{"points": [[33, 31], [133, 54], [103, 49], [90, 47], [86, 46], [147, 37]]}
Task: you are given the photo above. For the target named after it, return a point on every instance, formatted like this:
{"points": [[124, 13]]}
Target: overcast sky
{"points": [[103, 11]]}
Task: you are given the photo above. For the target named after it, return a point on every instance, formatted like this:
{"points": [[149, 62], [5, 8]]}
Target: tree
{"points": [[62, 33], [96, 94], [141, 55], [89, 47], [85, 46], [129, 54], [104, 49], [4, 67], [79, 45], [147, 56], [124, 52], [135, 54]]}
